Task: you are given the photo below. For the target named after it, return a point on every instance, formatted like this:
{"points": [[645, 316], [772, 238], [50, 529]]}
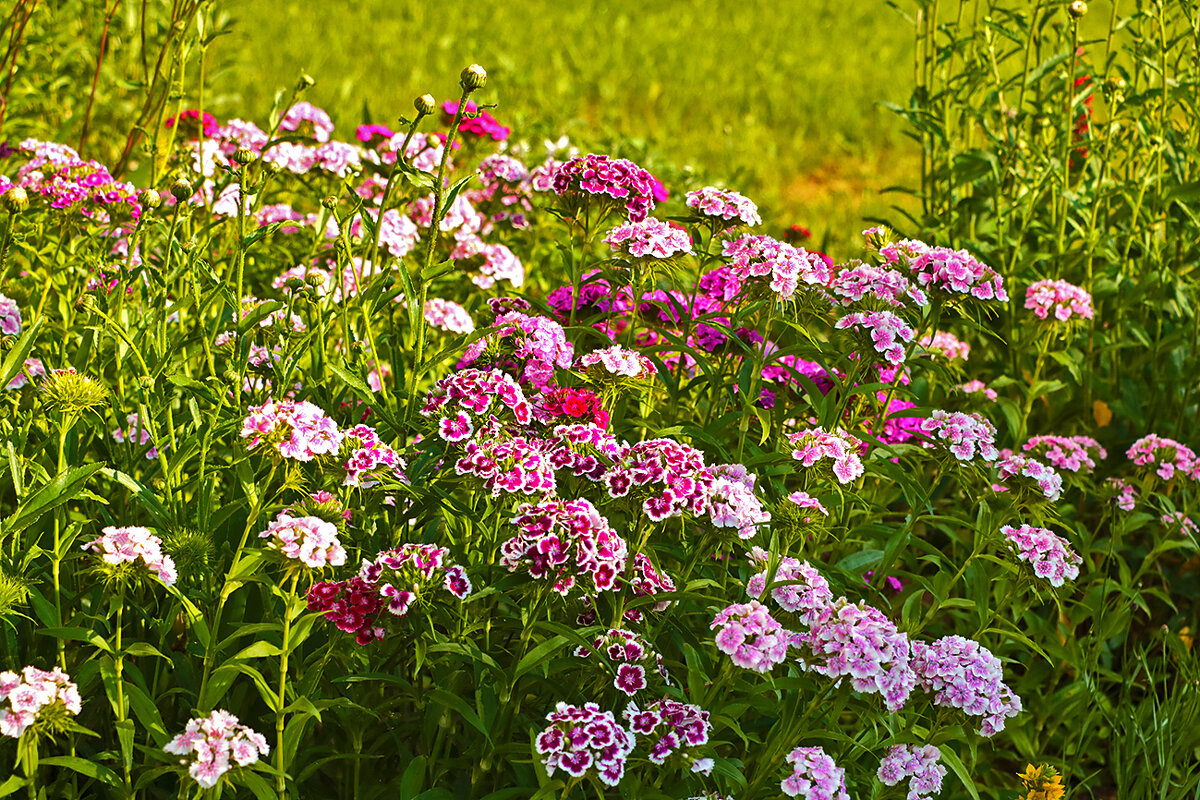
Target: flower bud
{"points": [[305, 81], [85, 303], [244, 156], [424, 104], [472, 78], [315, 280], [273, 167], [181, 190], [16, 200], [149, 199], [329, 203], [1077, 9]]}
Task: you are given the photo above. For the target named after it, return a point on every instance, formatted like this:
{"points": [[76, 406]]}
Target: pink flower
{"points": [[917, 763], [814, 776], [310, 540], [28, 693], [210, 742], [750, 636], [888, 332], [133, 544], [1049, 555], [816, 444], [618, 180], [780, 266], [1060, 298], [727, 209], [650, 238]]}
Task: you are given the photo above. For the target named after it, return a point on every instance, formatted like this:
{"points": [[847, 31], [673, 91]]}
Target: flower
{"points": [[296, 430], [137, 435], [750, 636], [133, 544], [803, 591], [1048, 481], [10, 316], [962, 674], [816, 444], [310, 540], [950, 272], [724, 208], [888, 332], [963, 435], [1041, 783], [1165, 457], [35, 694], [946, 345], [858, 641], [565, 541], [650, 238], [616, 180], [878, 286], [670, 725], [1069, 453], [581, 739], [630, 653], [211, 742], [448, 316], [814, 776], [917, 763], [779, 265], [1049, 555], [1063, 299]]}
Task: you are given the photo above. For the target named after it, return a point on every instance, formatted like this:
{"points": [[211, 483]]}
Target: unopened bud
{"points": [[273, 167], [181, 190], [329, 203], [149, 199], [16, 200], [244, 156], [294, 283], [424, 104], [315, 280], [472, 78], [1077, 9], [85, 303], [305, 81]]}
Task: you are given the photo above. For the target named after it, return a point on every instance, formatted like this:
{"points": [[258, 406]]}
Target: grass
{"points": [[775, 98]]}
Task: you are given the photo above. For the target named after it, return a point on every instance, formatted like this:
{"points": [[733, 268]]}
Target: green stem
{"points": [[280, 716]]}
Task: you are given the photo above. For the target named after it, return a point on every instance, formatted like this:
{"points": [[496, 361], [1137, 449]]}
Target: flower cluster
{"points": [[310, 540], [750, 636], [629, 652], [887, 287], [564, 541], [803, 591], [211, 743], [732, 502], [1069, 453], [448, 316], [131, 545], [812, 445], [397, 579], [614, 178], [514, 464], [1048, 480], [1059, 298], [814, 776], [947, 345], [671, 726], [369, 458], [460, 399], [660, 461], [137, 435], [978, 387], [537, 344], [1124, 494], [1177, 519], [728, 209], [857, 641], [888, 332], [616, 361], [963, 434], [949, 271], [10, 316], [1165, 457], [574, 403], [26, 696], [650, 238], [961, 674], [579, 739], [917, 763], [475, 122], [296, 430], [782, 266], [1050, 555]]}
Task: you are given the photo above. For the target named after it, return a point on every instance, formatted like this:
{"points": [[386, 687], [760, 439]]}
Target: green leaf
{"points": [[444, 698], [89, 768], [14, 362], [62, 489], [541, 653], [13, 783], [955, 763]]}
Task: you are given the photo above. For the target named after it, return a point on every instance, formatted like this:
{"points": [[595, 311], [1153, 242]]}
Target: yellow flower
{"points": [[1041, 783]]}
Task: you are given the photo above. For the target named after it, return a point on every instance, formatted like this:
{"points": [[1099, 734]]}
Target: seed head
{"points": [[472, 78], [16, 200]]}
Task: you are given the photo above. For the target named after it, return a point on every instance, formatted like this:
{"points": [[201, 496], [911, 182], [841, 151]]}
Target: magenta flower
{"points": [[1164, 457], [880, 286], [563, 542], [1067, 453], [778, 265], [648, 239], [1048, 481], [672, 727], [614, 179], [582, 739], [816, 444], [950, 272], [804, 591], [10, 316], [962, 674]]}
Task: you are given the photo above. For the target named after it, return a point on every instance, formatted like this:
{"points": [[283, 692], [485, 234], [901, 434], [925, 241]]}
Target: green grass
{"points": [[776, 98]]}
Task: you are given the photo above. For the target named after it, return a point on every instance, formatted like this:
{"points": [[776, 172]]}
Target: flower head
{"points": [[213, 745]]}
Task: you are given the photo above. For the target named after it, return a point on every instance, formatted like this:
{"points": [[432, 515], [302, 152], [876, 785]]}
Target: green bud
{"points": [[16, 200], [472, 78], [149, 199], [424, 104], [181, 190]]}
